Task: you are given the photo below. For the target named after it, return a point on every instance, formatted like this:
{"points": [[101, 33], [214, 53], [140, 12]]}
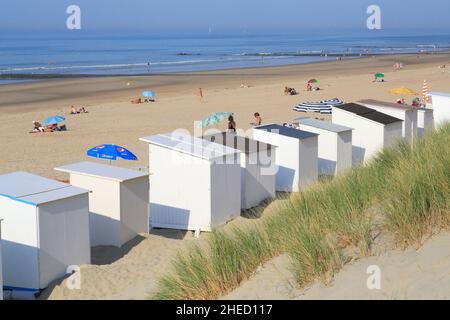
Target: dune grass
{"points": [[408, 186]]}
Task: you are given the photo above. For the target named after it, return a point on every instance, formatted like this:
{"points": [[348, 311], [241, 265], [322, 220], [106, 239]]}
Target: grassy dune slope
{"points": [[405, 187]]}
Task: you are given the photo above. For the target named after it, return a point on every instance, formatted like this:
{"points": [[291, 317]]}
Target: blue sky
{"points": [[224, 15]]}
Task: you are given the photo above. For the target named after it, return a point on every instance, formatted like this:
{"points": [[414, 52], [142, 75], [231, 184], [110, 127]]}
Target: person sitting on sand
{"points": [[82, 110], [416, 102], [37, 127], [231, 125], [401, 101], [309, 87], [51, 127], [73, 110], [258, 119]]}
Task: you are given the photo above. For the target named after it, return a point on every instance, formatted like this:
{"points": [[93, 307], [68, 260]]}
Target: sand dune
{"points": [[411, 274]]}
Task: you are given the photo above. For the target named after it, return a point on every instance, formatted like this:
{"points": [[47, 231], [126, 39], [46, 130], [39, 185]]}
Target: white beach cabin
{"points": [[441, 107], [425, 120], [45, 230], [296, 155], [1, 268], [335, 144], [408, 114], [258, 167], [118, 201], [195, 183], [372, 132]]}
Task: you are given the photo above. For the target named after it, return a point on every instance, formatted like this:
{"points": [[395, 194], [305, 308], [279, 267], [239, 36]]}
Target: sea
{"points": [[36, 54]]}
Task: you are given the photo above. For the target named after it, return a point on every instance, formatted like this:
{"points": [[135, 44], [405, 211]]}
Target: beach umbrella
{"points": [[110, 152], [403, 91], [214, 118], [425, 94], [379, 75], [54, 120], [149, 94], [312, 81]]}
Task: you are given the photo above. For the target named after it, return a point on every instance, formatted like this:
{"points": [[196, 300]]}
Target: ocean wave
{"points": [[106, 66]]}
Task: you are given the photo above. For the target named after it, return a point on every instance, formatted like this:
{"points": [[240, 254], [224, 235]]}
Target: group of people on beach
{"points": [[38, 127], [416, 102], [293, 92], [310, 87], [73, 110], [232, 122]]}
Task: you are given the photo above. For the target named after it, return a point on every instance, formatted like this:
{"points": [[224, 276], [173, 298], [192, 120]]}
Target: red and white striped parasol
{"points": [[425, 95]]}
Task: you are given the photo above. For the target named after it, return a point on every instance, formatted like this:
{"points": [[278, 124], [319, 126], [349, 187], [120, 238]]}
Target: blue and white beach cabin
{"points": [[45, 229]]}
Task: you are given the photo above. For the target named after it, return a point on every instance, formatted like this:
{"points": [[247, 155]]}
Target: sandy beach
{"points": [[113, 119], [132, 272]]}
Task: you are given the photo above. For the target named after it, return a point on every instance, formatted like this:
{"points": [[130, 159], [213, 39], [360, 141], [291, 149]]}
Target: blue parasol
{"points": [[111, 152], [149, 94], [54, 120]]}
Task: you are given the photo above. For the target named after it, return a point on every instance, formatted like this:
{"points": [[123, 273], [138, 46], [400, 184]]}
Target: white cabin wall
{"points": [[104, 208], [327, 149], [63, 237], [308, 172], [134, 208], [393, 133], [425, 121], [344, 147], [19, 244], [180, 190], [441, 109], [367, 138], [258, 183], [1, 266], [225, 193]]}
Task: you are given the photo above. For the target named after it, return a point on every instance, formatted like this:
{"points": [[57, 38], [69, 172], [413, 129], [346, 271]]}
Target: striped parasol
{"points": [[425, 93]]}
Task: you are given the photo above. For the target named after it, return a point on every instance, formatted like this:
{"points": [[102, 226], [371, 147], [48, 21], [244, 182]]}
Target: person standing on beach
{"points": [[200, 94], [231, 125], [258, 119]]}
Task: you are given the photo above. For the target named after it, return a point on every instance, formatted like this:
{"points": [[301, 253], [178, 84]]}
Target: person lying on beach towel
{"points": [[289, 91], [37, 127], [82, 110], [51, 128]]}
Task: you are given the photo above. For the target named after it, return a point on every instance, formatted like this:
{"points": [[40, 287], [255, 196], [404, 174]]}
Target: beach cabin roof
{"points": [[100, 170], [286, 131], [191, 145], [324, 125], [368, 113], [35, 190], [244, 144], [387, 104], [440, 94]]}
